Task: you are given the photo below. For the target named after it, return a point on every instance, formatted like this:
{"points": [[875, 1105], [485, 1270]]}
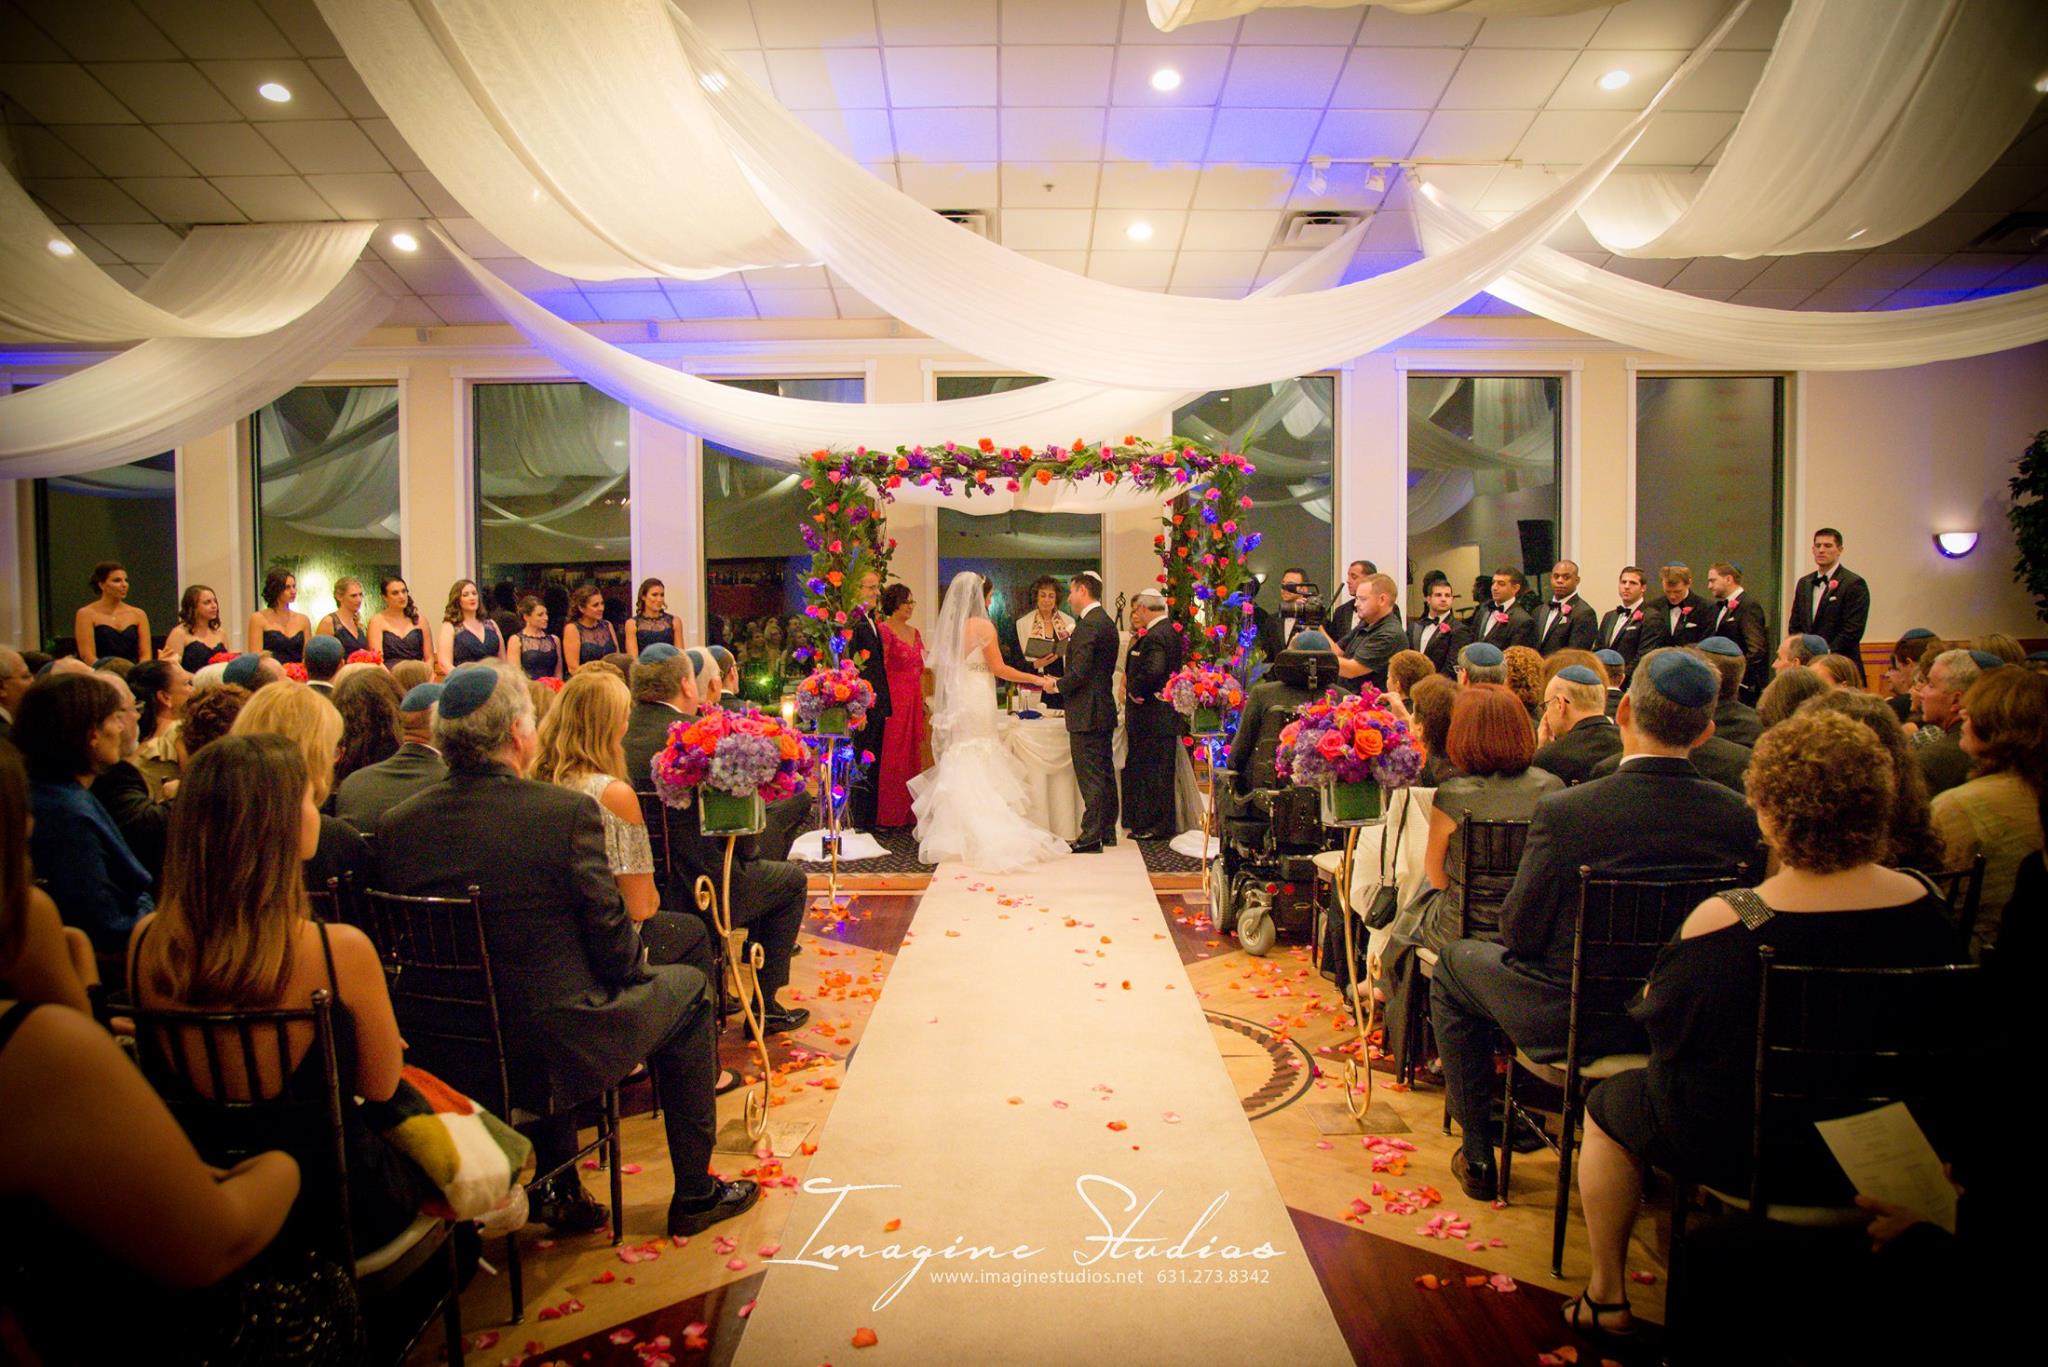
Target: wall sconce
{"points": [[1955, 545]]}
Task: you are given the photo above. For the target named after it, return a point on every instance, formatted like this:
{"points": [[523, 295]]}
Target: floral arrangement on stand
{"points": [[1206, 696], [550, 683], [1351, 747], [1203, 548], [834, 700], [295, 671], [365, 657], [732, 762]]}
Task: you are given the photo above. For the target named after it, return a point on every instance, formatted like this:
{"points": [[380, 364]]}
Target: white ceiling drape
{"points": [[1168, 15], [1872, 117]]}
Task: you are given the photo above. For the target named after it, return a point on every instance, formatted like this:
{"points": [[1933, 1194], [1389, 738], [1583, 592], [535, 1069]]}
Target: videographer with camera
{"points": [[1377, 638]]}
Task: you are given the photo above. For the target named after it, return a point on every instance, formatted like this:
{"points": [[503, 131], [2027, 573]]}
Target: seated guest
{"points": [[1913, 842], [252, 671], [768, 895], [160, 689], [310, 722], [1734, 720], [41, 958], [1522, 985], [410, 674], [1271, 704], [582, 1008], [1405, 670], [1783, 695], [1798, 650], [1900, 676], [1430, 705], [234, 932], [1938, 742], [1617, 670], [1822, 789], [1839, 670], [1577, 733], [368, 701], [71, 729], [209, 714], [324, 659], [364, 796], [1525, 678], [1997, 812], [124, 791], [543, 695], [2003, 647], [1557, 661], [1481, 663], [15, 677]]}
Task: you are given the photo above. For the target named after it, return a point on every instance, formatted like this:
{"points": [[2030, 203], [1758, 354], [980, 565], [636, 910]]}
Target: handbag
{"points": [[1386, 902]]}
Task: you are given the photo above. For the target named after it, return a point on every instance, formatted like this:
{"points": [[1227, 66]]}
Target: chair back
{"points": [[229, 1079], [1962, 889], [1839, 1041], [438, 963], [654, 812], [1620, 925], [1492, 853]]}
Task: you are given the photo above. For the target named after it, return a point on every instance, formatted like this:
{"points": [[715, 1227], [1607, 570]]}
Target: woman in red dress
{"points": [[903, 730]]}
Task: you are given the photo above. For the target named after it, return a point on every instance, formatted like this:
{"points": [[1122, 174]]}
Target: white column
{"points": [[216, 522], [667, 510], [18, 617], [437, 491], [1372, 463]]}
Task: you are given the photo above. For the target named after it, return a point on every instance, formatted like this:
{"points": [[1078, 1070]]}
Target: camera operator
{"points": [[1377, 638]]}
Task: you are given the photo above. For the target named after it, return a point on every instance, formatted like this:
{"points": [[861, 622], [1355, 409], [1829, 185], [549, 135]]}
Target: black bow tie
{"points": [[1557, 602]]}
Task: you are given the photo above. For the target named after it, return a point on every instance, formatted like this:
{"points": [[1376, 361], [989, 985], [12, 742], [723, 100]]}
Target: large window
{"points": [[326, 460], [1289, 431], [129, 514], [1483, 455], [553, 498], [1710, 478]]}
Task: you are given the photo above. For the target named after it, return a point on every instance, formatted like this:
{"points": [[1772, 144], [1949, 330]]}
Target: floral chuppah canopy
{"points": [[1202, 547]]}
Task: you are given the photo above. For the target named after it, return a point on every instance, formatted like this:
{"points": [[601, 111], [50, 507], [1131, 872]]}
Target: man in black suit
{"points": [[1438, 633], [1504, 624], [1741, 621], [1344, 615], [1567, 621], [1576, 732], [1634, 628], [580, 1007], [1090, 690], [1377, 638], [1151, 726], [768, 895], [1734, 719], [1656, 818], [1289, 620], [123, 790], [368, 793], [15, 678], [865, 650], [1832, 603], [1684, 616]]}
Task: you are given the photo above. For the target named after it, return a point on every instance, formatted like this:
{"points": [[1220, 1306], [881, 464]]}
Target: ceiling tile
{"points": [[164, 92], [632, 306], [1073, 262], [1052, 134], [1389, 133], [1111, 235], [1717, 273], [795, 304], [1217, 268], [711, 303], [522, 275], [434, 195], [1808, 271], [55, 92], [1392, 231], [482, 244], [1758, 29], [88, 201], [1217, 230], [1262, 135], [124, 149], [1060, 21], [1139, 185], [1158, 134], [182, 199], [385, 134], [42, 153], [345, 85], [1278, 264], [1560, 31], [218, 28], [1667, 24], [1770, 299], [1945, 233], [1047, 229], [1514, 188], [806, 23], [458, 309], [936, 77], [1680, 139], [2025, 276], [1138, 270], [1472, 134], [325, 146], [853, 304], [950, 186], [104, 31], [1723, 82], [1056, 75], [94, 250], [1505, 78], [1049, 184], [1647, 270], [23, 41], [1344, 187], [384, 195], [945, 134], [1244, 187], [1580, 88], [928, 22], [1569, 136], [300, 21], [411, 311], [863, 134], [2000, 188], [827, 78], [274, 199], [125, 275], [1394, 78], [1968, 271], [239, 81], [382, 276], [433, 273], [1842, 299], [1321, 27], [1282, 77], [727, 23], [1200, 69], [1385, 28], [1885, 270]]}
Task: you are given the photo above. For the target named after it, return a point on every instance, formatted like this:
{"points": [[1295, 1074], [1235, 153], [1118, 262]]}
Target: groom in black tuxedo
{"points": [[1089, 688], [865, 651]]}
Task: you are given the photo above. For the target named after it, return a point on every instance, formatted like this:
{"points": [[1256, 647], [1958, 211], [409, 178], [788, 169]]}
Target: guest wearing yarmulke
{"points": [[1522, 985], [251, 671], [365, 795], [1938, 742], [1577, 733], [1617, 670], [1796, 650], [1734, 719], [1740, 619], [1899, 677], [324, 658], [1482, 663]]}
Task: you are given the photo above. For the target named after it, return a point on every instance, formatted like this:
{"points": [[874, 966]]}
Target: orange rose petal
{"points": [[892, 1227], [1118, 1125], [864, 1338]]}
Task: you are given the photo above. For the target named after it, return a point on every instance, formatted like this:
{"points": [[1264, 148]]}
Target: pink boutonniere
{"points": [[1564, 609], [1833, 584], [1500, 618], [1636, 616], [1685, 611]]}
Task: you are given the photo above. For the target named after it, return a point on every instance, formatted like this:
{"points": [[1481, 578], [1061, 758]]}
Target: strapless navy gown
{"points": [[125, 644]]}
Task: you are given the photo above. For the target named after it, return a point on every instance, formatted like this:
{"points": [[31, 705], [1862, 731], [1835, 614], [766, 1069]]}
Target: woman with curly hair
{"points": [[1525, 679], [1997, 813], [1914, 843], [1783, 695]]}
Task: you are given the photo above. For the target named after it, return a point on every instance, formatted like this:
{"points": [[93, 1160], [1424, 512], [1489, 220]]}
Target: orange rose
{"points": [[1045, 476], [1368, 743], [986, 445]]}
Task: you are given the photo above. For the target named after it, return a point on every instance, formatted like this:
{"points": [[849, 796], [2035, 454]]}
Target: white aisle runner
{"points": [[1038, 1079]]}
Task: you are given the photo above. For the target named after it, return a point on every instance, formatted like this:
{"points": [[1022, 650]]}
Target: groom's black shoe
{"points": [[1085, 846]]}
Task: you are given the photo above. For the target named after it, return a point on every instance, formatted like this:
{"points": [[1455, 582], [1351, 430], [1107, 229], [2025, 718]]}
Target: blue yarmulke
{"points": [[242, 670], [467, 689], [1721, 645], [1685, 679], [1578, 674], [659, 651], [2037, 655], [1815, 645], [722, 656], [420, 697], [323, 650], [1609, 657], [1916, 634], [1309, 639], [1481, 654], [1985, 659], [699, 660]]}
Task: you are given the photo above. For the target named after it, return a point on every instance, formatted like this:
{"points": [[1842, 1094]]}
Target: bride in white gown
{"points": [[951, 800]]}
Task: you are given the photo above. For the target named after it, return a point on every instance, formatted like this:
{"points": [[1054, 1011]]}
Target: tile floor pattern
{"points": [[1283, 1032]]}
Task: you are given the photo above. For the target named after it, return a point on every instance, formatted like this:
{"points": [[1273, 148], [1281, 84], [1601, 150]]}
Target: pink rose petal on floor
{"points": [[696, 1329], [629, 1169], [487, 1339], [736, 1265], [1643, 1278], [1171, 1117], [770, 1250], [621, 1336], [1325, 1144], [748, 1308]]}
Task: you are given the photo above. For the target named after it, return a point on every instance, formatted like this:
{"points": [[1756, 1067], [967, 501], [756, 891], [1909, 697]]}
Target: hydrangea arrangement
{"points": [[1348, 738], [741, 754], [1204, 695], [834, 701]]}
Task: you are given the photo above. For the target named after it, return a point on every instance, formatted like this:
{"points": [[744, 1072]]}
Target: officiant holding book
{"points": [[1042, 633]]}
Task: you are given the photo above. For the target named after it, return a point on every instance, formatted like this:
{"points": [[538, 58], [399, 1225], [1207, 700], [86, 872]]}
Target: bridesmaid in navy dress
{"points": [[278, 629], [465, 635], [395, 633], [108, 627], [588, 636], [651, 623], [345, 623], [197, 638], [538, 653]]}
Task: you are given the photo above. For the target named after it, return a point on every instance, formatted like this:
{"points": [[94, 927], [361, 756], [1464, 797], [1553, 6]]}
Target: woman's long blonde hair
{"points": [[303, 717], [584, 732]]}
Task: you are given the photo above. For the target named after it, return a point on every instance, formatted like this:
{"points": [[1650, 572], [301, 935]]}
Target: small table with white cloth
{"points": [[1053, 795]]}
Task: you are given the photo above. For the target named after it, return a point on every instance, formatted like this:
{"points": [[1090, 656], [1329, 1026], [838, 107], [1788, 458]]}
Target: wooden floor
{"points": [[1283, 1031]]}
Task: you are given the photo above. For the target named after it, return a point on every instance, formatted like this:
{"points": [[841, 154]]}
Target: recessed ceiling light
{"points": [[273, 92], [1166, 78], [1614, 80], [1139, 232], [405, 242], [59, 247]]}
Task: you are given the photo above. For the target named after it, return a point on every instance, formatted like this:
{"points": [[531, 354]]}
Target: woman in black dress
{"points": [[465, 635], [197, 638], [588, 637], [651, 622], [109, 628], [539, 654], [345, 623], [278, 629], [395, 633]]}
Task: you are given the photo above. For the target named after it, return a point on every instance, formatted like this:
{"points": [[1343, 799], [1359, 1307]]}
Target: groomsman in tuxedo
{"points": [[865, 650], [1089, 689], [1151, 727], [1567, 620], [1634, 628], [1742, 622], [1685, 617], [1344, 616], [1288, 620], [1504, 624], [1832, 603], [1437, 633]]}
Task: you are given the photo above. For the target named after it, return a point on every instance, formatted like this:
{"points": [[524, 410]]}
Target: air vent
{"points": [[1315, 227], [2021, 233], [980, 222]]}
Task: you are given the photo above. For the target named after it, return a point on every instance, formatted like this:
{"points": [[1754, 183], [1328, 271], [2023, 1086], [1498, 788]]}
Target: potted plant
{"points": [[2029, 518], [1351, 748], [1205, 695], [732, 764]]}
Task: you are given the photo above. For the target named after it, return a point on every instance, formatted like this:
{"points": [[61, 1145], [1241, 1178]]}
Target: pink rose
{"points": [[1331, 745]]}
